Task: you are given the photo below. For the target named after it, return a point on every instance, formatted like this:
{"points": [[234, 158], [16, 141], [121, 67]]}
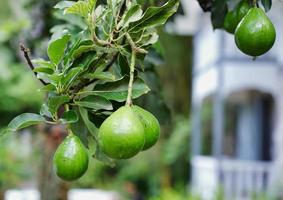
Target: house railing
{"points": [[237, 178]]}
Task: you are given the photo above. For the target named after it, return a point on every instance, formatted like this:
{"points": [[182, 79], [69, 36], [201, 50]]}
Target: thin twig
{"points": [[26, 55], [131, 81], [133, 45]]}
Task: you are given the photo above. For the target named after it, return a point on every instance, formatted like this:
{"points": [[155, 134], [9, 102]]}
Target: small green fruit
{"points": [[255, 34], [70, 159], [121, 135], [234, 17], [151, 126]]}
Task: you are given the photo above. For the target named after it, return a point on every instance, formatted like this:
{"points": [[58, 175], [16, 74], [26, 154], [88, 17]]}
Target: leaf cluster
{"points": [[87, 71]]}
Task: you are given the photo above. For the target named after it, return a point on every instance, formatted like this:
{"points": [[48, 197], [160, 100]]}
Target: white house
{"points": [[238, 146]]}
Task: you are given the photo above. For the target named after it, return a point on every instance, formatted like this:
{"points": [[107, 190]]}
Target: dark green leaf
{"points": [[57, 46], [70, 77], [106, 76], [218, 12], [118, 90], [69, 117], [90, 126], [155, 16], [79, 128], [95, 103], [266, 4], [55, 102], [99, 155], [24, 120]]}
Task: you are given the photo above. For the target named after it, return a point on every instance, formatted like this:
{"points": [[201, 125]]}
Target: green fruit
{"points": [[255, 34], [70, 159], [121, 135], [150, 124], [234, 17]]}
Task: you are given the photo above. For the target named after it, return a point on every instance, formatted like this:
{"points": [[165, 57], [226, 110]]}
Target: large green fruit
{"points": [[70, 159], [150, 124], [255, 34], [121, 135], [234, 17]]}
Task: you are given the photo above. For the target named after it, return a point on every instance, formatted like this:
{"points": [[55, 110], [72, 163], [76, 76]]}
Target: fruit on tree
{"points": [[255, 34], [121, 135], [70, 159], [150, 124], [233, 17]]}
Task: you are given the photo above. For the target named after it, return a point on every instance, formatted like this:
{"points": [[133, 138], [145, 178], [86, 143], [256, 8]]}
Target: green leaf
{"points": [[55, 78], [95, 103], [64, 4], [90, 126], [99, 155], [100, 75], [266, 4], [24, 120], [57, 46], [43, 63], [44, 111], [79, 128], [44, 70], [219, 10], [82, 8], [132, 15], [92, 47], [55, 102], [47, 88], [118, 90], [69, 117], [72, 74], [83, 49], [155, 16], [149, 38]]}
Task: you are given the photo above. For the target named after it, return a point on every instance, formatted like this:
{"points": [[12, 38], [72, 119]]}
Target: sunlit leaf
{"points": [[118, 90], [64, 4], [155, 16], [57, 46], [47, 88], [95, 103], [44, 70], [25, 120], [132, 15]]}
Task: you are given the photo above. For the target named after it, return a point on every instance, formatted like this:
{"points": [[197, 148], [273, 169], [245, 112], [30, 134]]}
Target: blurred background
{"points": [[220, 113]]}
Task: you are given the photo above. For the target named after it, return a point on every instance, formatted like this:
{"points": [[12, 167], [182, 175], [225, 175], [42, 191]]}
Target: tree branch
{"points": [[26, 55]]}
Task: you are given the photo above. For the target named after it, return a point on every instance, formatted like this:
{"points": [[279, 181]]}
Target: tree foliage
{"points": [[92, 57], [219, 8]]}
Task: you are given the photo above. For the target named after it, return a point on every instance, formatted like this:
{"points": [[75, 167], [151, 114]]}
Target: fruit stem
{"points": [[68, 127], [255, 3], [132, 74]]}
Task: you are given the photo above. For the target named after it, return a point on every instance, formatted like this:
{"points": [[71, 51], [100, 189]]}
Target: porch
{"points": [[238, 179]]}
